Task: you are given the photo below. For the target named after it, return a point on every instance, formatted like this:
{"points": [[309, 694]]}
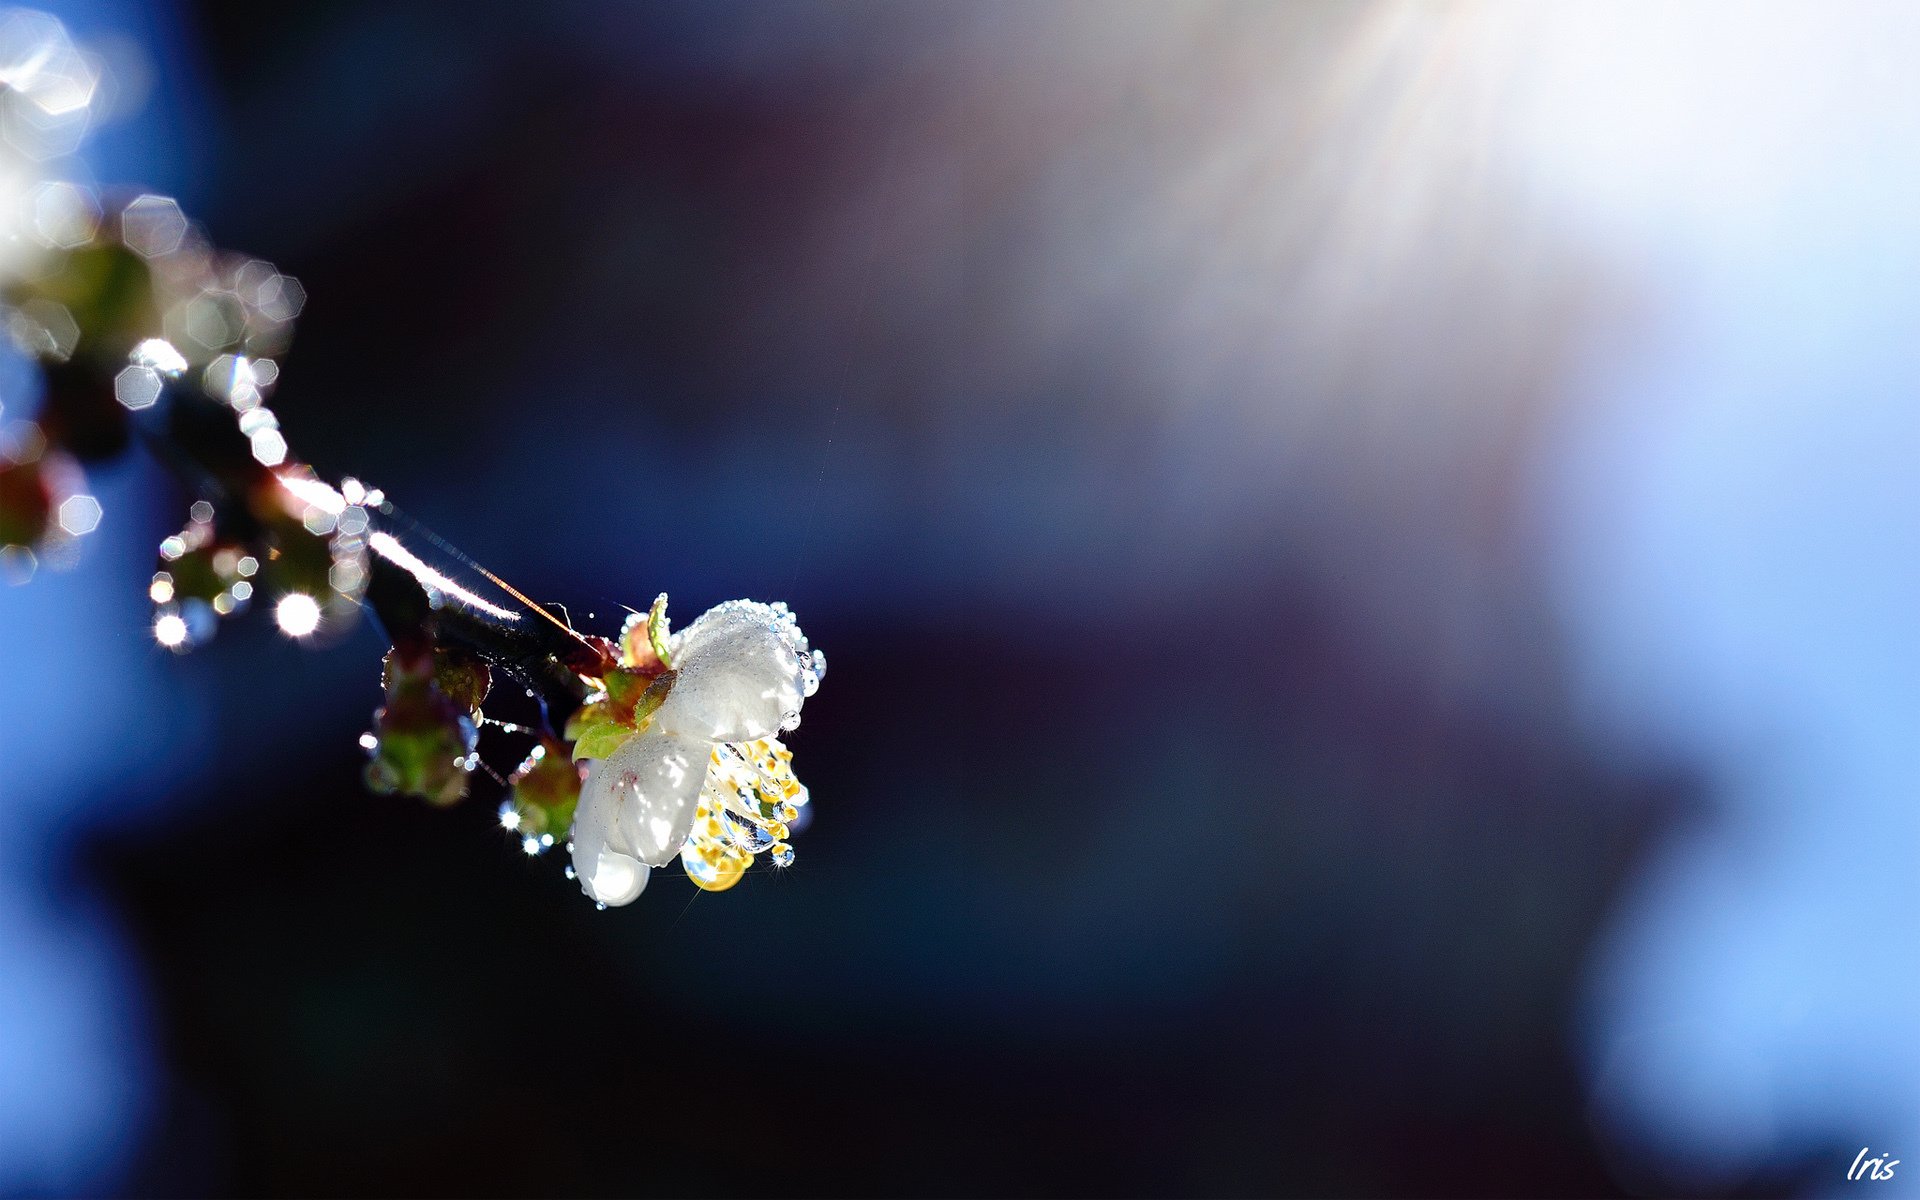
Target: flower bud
{"points": [[465, 678], [545, 789], [423, 743]]}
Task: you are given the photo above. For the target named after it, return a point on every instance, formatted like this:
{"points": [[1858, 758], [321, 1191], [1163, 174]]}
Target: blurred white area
{"points": [[1734, 511], [1663, 255]]}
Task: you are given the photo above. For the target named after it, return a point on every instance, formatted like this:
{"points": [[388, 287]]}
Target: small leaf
{"points": [[635, 651], [600, 740], [651, 699], [657, 629], [624, 689], [594, 712]]}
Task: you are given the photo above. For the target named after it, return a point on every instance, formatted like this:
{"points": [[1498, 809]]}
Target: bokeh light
{"points": [[297, 614]]}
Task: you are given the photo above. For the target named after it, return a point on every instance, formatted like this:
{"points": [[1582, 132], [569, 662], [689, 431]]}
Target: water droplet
{"points": [[746, 835], [712, 867]]}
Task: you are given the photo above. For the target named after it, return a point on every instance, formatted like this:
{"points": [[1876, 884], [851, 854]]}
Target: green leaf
{"points": [[657, 629], [597, 712], [600, 740], [624, 689], [651, 699]]}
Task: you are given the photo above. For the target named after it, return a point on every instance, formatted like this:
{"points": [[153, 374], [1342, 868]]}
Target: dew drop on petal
{"points": [[617, 879], [746, 835], [713, 868]]}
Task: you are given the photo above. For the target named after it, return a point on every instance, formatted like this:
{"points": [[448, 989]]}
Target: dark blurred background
{"points": [[1365, 551]]}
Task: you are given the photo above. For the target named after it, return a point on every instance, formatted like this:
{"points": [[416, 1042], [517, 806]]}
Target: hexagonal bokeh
{"points": [[39, 61], [269, 446], [63, 215], [281, 297], [45, 327], [153, 226], [137, 387], [79, 514]]}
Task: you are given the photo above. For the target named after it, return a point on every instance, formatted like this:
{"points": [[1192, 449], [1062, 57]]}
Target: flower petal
{"points": [[605, 874], [741, 672], [646, 792]]}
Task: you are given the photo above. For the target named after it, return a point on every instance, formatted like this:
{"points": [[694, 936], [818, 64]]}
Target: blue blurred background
{"points": [[1369, 555]]}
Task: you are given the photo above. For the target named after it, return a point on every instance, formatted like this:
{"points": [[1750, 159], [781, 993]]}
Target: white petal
{"points": [[646, 792], [742, 671], [605, 874]]}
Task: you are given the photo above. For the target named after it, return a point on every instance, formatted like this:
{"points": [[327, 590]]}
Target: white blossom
{"points": [[706, 778]]}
